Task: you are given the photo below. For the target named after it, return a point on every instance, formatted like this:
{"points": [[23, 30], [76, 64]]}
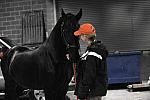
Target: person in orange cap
{"points": [[91, 80]]}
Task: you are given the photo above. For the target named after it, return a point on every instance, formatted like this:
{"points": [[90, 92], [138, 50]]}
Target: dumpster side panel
{"points": [[124, 68]]}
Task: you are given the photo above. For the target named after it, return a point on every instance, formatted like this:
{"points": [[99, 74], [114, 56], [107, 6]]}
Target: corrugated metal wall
{"points": [[122, 25]]}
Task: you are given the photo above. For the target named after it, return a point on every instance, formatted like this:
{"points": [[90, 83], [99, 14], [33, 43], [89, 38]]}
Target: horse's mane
{"points": [[56, 30]]}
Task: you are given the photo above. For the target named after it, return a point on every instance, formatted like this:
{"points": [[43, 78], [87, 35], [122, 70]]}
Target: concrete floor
{"points": [[120, 94]]}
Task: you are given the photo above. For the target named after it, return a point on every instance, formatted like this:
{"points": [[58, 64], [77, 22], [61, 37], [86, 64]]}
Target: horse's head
{"points": [[70, 24]]}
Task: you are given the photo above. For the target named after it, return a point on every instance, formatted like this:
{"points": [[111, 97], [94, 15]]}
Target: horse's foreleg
{"points": [[10, 89], [10, 84], [66, 76], [48, 94]]}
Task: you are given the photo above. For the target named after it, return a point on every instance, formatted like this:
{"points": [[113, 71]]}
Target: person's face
{"points": [[84, 38]]}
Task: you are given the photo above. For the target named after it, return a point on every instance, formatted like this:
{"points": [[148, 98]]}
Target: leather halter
{"points": [[68, 45]]}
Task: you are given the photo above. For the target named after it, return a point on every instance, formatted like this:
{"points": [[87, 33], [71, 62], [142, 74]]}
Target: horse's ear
{"points": [[63, 13], [78, 16]]}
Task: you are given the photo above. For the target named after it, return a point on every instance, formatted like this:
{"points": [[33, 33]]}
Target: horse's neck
{"points": [[55, 39], [55, 44]]}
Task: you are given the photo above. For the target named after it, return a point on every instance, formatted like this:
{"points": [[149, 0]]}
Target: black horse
{"points": [[46, 67]]}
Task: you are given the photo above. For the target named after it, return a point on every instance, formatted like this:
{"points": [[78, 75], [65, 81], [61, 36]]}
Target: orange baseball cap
{"points": [[85, 29]]}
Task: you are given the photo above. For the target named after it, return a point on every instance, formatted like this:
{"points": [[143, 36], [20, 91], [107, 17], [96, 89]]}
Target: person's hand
{"points": [[67, 56]]}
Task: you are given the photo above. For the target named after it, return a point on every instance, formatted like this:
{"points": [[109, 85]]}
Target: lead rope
{"points": [[74, 71]]}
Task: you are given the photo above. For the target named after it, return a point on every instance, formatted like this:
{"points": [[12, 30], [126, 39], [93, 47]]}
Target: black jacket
{"points": [[92, 72]]}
